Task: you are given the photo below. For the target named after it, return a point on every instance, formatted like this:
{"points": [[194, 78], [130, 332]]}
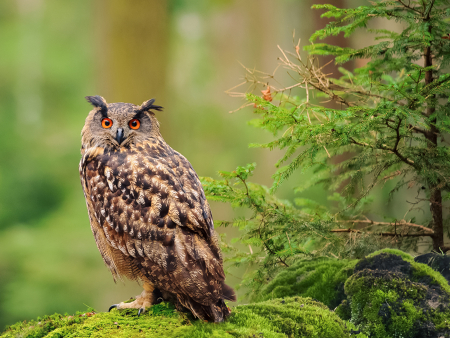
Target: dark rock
{"points": [[437, 262], [385, 262]]}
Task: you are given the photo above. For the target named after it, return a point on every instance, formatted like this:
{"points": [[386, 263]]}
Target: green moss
{"points": [[320, 278], [419, 270], [157, 322], [291, 317], [405, 256], [367, 304], [393, 304], [344, 310]]}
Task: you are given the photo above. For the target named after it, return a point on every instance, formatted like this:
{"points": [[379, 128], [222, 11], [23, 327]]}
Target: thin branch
{"points": [[397, 130], [409, 7], [371, 95], [417, 129], [393, 234], [427, 14], [289, 241], [444, 248], [359, 143], [400, 156], [402, 222], [259, 230]]}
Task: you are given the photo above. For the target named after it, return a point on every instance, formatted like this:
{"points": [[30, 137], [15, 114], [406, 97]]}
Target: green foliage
{"points": [[290, 317], [320, 278], [274, 229], [390, 121]]}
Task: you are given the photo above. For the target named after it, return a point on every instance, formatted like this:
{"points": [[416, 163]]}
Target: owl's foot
{"points": [[144, 300]]}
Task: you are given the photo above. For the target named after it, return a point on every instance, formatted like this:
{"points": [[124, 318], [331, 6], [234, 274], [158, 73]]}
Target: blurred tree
{"points": [[44, 70], [132, 45], [21, 104]]}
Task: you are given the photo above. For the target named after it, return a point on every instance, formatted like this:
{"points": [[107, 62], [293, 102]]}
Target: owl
{"points": [[148, 212]]}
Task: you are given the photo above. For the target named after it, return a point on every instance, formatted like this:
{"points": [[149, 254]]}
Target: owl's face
{"points": [[117, 125]]}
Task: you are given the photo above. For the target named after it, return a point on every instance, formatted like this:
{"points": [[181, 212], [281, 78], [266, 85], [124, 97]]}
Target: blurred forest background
{"points": [[185, 54]]}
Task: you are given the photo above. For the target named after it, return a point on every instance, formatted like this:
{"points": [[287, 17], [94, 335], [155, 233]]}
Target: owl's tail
{"points": [[216, 312]]}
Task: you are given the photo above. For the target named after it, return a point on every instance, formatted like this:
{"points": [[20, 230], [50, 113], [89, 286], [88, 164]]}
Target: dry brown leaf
{"points": [[266, 94]]}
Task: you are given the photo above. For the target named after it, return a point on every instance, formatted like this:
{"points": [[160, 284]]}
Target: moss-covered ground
{"points": [[290, 317], [387, 295], [320, 278]]}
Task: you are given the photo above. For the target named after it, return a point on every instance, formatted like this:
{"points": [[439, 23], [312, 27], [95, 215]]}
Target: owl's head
{"points": [[117, 125]]}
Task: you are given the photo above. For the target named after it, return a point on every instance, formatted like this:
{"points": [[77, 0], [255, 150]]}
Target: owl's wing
{"points": [[151, 206]]}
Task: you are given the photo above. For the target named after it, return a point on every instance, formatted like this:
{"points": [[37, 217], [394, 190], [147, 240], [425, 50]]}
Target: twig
{"points": [[380, 233], [289, 241], [402, 222]]}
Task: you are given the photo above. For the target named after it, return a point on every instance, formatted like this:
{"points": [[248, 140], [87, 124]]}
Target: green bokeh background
{"points": [[185, 54]]}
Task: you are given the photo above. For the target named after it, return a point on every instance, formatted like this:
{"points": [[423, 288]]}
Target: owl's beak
{"points": [[119, 135]]}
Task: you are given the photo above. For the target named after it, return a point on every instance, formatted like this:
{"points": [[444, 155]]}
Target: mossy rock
{"points": [[319, 278], [290, 317], [438, 262], [390, 295]]}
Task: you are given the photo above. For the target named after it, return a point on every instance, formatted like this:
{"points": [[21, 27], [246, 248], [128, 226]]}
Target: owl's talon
{"points": [[141, 310], [113, 306]]}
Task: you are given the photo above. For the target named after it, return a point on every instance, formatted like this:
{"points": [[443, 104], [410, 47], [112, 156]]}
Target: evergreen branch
{"points": [[245, 185], [265, 244]]}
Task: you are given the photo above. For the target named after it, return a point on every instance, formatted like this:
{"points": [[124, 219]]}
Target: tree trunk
{"points": [[131, 50], [432, 137]]}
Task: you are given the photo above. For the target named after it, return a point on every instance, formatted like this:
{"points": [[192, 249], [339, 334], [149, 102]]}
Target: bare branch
{"points": [[381, 233], [409, 7], [400, 156], [399, 223]]}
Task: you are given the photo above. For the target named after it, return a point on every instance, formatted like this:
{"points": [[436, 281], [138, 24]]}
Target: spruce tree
{"points": [[391, 119]]}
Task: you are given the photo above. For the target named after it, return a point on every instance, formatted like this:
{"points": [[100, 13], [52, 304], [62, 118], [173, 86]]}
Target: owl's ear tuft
{"points": [[98, 101], [148, 105]]}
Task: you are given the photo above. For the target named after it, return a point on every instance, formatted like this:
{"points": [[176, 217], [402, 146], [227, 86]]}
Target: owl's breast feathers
{"points": [[148, 202]]}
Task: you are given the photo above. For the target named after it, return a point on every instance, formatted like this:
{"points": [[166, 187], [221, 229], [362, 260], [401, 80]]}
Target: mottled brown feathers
{"points": [[149, 214]]}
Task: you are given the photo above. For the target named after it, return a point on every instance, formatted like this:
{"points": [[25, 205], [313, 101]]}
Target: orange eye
{"points": [[106, 123], [134, 124]]}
